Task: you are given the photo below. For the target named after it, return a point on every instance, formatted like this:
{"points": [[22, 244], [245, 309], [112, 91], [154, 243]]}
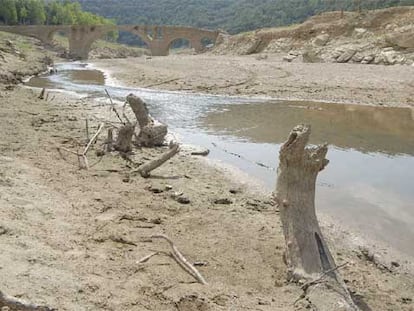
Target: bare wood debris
{"points": [[180, 259], [13, 304], [42, 94], [308, 257], [82, 157], [145, 169], [151, 133]]}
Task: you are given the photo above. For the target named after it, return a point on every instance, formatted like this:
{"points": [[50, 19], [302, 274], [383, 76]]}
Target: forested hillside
{"points": [[231, 15], [37, 12]]}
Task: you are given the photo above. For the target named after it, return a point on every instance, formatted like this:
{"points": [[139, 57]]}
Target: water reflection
{"points": [[368, 183], [67, 75], [365, 128]]}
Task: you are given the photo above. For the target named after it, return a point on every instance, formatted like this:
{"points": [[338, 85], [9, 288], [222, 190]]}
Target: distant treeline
{"points": [[38, 12], [233, 16]]}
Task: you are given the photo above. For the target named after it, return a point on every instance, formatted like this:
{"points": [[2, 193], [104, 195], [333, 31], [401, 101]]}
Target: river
{"points": [[368, 185]]}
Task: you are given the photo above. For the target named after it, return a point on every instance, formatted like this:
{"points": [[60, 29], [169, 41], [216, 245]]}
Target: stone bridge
{"points": [[157, 38]]}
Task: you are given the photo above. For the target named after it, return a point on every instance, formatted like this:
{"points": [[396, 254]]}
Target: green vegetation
{"points": [[233, 16], [38, 12]]}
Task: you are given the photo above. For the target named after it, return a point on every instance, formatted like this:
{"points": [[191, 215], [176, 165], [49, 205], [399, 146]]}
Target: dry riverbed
{"points": [[271, 76], [70, 238]]}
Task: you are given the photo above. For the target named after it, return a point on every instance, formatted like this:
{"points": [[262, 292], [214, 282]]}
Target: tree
{"points": [[36, 12], [23, 14], [8, 12]]}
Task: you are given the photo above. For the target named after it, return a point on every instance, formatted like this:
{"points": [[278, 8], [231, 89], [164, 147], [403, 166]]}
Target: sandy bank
{"points": [[70, 238], [272, 77], [63, 230]]}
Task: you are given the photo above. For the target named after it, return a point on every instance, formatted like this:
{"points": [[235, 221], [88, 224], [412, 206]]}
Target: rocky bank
{"points": [[372, 37]]}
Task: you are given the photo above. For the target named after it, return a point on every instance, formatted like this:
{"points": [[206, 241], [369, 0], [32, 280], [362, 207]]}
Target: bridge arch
{"points": [[182, 42], [81, 37]]}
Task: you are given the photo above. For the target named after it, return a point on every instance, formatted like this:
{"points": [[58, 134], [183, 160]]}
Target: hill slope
{"points": [[233, 16], [383, 36]]}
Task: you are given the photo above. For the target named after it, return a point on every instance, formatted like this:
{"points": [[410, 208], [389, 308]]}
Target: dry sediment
{"points": [[71, 238], [269, 77]]}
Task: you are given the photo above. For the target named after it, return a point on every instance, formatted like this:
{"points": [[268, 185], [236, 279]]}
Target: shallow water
{"points": [[368, 184]]}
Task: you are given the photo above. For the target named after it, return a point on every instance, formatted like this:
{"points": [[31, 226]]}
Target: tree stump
{"points": [[123, 141], [140, 109], [151, 133], [307, 255], [109, 141]]}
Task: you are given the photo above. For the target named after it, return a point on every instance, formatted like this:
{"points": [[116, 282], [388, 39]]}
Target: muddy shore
{"points": [[70, 238]]}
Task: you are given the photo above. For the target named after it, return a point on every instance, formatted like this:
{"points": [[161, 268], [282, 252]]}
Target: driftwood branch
{"points": [[161, 83], [146, 258], [181, 260], [145, 169], [42, 94], [14, 304], [87, 129], [113, 107], [82, 158], [93, 139], [318, 279]]}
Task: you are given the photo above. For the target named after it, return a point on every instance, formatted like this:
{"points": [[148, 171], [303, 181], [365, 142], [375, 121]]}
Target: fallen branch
{"points": [[145, 169], [82, 159], [113, 107], [87, 129], [93, 139], [11, 303], [317, 280], [146, 258], [42, 94], [181, 260], [161, 83]]}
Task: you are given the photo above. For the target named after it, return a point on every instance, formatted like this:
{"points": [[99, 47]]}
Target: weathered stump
{"points": [[151, 133], [307, 255], [109, 141], [124, 139]]}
